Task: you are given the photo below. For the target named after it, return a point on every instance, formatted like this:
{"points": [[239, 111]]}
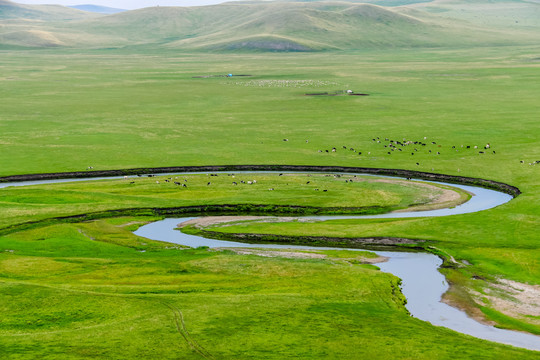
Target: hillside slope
{"points": [[13, 11], [264, 26]]}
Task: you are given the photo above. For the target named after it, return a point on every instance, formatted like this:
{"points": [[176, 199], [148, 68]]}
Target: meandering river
{"points": [[422, 284]]}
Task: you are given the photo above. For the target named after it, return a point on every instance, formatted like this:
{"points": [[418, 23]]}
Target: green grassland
{"points": [[317, 192], [103, 299], [88, 289]]}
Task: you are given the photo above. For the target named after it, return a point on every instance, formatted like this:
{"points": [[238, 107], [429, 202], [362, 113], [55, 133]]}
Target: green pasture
{"points": [[71, 295], [116, 109], [360, 194], [101, 292]]}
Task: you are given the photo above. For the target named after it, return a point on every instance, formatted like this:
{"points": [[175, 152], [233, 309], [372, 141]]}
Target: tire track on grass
{"points": [[181, 327]]}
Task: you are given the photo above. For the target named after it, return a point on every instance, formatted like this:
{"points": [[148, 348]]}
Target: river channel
{"points": [[422, 284]]}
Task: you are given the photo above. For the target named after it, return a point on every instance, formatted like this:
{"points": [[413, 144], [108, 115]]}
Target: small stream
{"points": [[422, 284]]}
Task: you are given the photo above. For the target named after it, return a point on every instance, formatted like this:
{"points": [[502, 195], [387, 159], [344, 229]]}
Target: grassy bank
{"points": [[96, 290]]}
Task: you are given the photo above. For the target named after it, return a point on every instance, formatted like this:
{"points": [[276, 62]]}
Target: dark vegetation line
{"points": [[463, 180], [196, 210], [373, 242]]}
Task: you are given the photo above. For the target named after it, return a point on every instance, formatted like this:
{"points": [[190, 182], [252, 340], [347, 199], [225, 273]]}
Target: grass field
{"points": [[94, 293], [358, 194], [98, 295]]}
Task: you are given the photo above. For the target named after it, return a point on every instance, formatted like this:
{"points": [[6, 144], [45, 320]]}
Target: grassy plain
{"points": [[361, 194], [94, 290], [67, 110]]}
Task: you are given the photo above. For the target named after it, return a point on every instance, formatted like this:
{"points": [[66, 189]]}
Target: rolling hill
{"points": [[97, 9], [269, 26], [13, 11]]}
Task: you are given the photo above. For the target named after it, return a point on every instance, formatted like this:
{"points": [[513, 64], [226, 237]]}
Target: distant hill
{"points": [[276, 26], [14, 11], [97, 9]]}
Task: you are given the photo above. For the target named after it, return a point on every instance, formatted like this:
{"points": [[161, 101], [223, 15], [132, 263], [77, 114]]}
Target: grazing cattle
{"points": [[468, 146], [208, 183], [234, 183], [184, 185], [285, 139], [417, 163], [249, 182], [308, 182], [487, 146], [133, 182], [333, 149], [480, 152], [325, 190], [280, 174], [271, 189], [438, 153], [326, 150]]}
